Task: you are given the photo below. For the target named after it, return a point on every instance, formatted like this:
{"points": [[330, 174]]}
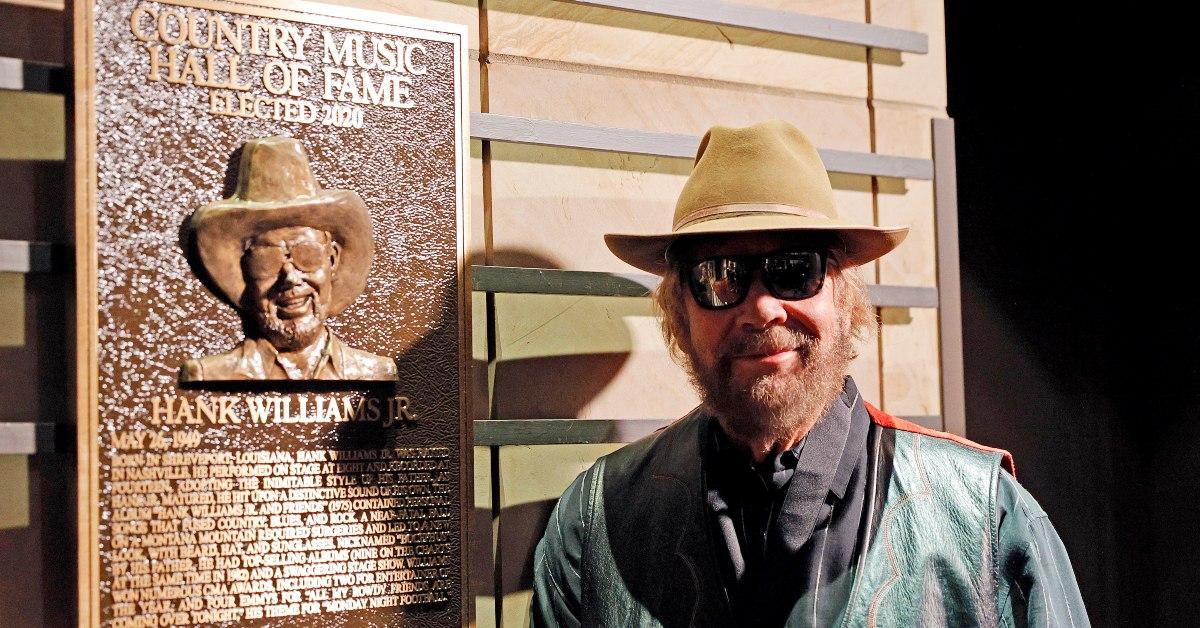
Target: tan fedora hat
{"points": [[766, 177], [276, 188]]}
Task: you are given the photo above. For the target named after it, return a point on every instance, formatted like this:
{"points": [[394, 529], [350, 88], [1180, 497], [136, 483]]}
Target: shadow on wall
{"points": [[545, 365]]}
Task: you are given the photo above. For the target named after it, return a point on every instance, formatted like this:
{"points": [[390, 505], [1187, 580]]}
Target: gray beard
{"points": [[292, 334], [780, 406]]}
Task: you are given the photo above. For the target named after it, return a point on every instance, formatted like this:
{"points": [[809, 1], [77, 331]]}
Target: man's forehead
{"points": [[750, 243]]}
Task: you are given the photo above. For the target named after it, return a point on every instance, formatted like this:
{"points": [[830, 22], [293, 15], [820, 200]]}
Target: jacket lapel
{"points": [[805, 504], [665, 549]]}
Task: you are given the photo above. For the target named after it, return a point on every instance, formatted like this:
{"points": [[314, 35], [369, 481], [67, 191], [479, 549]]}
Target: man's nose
{"points": [[761, 309], [290, 275]]}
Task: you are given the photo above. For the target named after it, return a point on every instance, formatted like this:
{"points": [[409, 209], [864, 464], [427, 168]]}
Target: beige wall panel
{"points": [[665, 104], [14, 491], [852, 195], [531, 480], [552, 206], [475, 92], [476, 245], [560, 31], [908, 77], [914, 262], [32, 126], [905, 130], [479, 356], [584, 357], [866, 371], [465, 12], [483, 567], [911, 372], [12, 310]]}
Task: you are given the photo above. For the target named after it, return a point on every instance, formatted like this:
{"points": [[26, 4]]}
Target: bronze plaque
{"points": [[272, 330]]}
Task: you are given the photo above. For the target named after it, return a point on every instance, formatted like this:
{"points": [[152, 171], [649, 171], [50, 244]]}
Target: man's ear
{"points": [[335, 255]]}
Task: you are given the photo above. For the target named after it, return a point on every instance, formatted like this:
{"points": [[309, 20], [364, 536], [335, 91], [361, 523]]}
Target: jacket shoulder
{"points": [[883, 419], [220, 366], [360, 364], [670, 451]]}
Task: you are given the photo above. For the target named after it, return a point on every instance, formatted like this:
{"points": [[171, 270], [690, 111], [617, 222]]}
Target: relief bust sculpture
{"points": [[287, 255]]}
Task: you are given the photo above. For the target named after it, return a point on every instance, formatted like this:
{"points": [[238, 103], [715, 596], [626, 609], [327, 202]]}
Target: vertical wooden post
{"points": [[945, 195]]}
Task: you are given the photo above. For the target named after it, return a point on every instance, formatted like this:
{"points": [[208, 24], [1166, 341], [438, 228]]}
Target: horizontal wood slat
{"points": [[563, 431], [515, 280], [502, 128], [20, 256], [32, 76], [28, 438], [774, 21]]}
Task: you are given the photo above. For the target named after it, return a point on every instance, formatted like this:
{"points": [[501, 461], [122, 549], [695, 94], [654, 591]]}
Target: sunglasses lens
{"points": [[263, 262], [719, 282], [308, 256], [794, 275]]}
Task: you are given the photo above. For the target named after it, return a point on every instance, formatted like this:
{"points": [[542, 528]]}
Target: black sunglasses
{"points": [[265, 262], [723, 282]]}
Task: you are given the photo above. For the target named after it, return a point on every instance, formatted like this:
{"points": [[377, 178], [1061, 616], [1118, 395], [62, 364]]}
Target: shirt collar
{"points": [[843, 428], [732, 462], [331, 356]]}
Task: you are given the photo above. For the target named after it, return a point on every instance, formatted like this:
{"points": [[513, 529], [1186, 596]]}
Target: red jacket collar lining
{"points": [[886, 420]]}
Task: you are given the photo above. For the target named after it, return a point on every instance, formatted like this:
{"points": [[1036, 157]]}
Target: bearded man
{"points": [[288, 255], [785, 498]]}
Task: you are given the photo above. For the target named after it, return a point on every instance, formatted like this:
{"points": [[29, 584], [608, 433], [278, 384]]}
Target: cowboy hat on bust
{"points": [[766, 177], [276, 188]]}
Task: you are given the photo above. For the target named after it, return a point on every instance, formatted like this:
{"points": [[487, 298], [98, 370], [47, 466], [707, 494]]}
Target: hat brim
{"points": [[863, 243], [221, 229]]}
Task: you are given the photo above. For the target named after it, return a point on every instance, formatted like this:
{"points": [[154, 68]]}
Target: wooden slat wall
{"points": [[563, 357]]}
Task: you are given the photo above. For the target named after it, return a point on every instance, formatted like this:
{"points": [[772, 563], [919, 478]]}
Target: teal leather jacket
{"points": [[629, 545]]}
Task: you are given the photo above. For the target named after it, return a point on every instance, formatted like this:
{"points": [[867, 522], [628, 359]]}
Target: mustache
{"points": [[291, 290], [768, 341]]}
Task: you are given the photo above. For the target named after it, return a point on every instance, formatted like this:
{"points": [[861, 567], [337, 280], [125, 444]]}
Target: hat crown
{"points": [[763, 178], [275, 169], [770, 163]]}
